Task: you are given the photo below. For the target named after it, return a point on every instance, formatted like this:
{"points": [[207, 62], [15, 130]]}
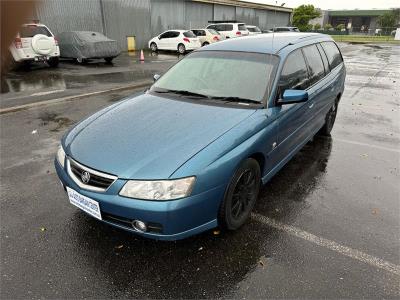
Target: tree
{"points": [[389, 20], [328, 26], [303, 14], [340, 27]]}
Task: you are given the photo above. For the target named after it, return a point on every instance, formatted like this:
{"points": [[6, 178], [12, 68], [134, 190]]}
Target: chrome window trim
{"points": [[86, 186]]}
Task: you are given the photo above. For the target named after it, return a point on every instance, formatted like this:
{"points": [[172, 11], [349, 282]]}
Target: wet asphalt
{"points": [[344, 189]]}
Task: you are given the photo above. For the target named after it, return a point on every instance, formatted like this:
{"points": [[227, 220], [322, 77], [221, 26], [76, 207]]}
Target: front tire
{"points": [[181, 49], [240, 196], [153, 47], [329, 120], [53, 62]]}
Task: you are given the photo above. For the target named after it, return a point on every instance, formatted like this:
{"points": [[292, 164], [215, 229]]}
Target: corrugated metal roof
{"points": [[358, 12], [240, 3]]}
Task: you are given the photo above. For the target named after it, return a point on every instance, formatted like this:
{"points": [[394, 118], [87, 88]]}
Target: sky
{"points": [[336, 4]]}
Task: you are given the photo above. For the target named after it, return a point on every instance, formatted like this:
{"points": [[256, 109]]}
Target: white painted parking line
{"points": [[367, 145], [331, 245]]}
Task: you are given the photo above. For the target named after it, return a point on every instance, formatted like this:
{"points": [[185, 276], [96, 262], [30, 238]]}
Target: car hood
{"points": [[148, 137]]}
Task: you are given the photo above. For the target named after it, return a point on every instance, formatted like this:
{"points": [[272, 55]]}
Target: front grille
{"points": [[98, 181]]}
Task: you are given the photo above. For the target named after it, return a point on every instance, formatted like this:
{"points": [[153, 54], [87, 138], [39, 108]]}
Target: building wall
{"points": [[145, 18]]}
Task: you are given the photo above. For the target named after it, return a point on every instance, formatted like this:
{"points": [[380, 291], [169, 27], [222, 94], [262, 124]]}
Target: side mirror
{"points": [[293, 96], [156, 77]]}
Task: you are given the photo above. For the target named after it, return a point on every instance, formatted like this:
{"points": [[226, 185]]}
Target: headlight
{"points": [[61, 156], [158, 190]]}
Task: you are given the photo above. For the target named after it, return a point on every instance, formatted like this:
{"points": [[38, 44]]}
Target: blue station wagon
{"points": [[190, 153]]}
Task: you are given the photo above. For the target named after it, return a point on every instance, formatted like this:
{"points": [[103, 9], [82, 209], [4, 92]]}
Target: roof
{"points": [[358, 12], [240, 3], [264, 43]]}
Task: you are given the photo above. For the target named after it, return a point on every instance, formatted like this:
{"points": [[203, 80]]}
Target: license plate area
{"points": [[86, 204]]}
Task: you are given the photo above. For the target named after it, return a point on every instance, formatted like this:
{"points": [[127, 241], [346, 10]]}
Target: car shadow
{"points": [[207, 265]]}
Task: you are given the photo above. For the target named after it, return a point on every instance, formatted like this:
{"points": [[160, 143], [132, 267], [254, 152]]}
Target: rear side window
{"points": [[315, 64], [228, 27], [174, 34], [189, 34], [32, 30], [294, 74], [242, 27], [333, 54]]}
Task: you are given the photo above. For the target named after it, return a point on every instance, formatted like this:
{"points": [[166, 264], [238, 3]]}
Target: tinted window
{"points": [[165, 35], [315, 64], [294, 74], [324, 59], [32, 30], [333, 54], [174, 34], [220, 27], [214, 27], [189, 34], [241, 27], [281, 29]]}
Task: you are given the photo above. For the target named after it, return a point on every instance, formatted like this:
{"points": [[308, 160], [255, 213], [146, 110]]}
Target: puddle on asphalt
{"points": [[52, 118]]}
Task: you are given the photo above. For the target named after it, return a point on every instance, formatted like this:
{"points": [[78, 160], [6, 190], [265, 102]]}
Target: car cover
{"points": [[86, 44]]}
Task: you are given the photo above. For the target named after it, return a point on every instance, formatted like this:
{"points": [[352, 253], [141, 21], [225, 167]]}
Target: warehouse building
{"points": [[143, 19]]}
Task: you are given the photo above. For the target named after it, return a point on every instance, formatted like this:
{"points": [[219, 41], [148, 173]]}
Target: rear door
{"points": [[318, 91], [293, 119]]}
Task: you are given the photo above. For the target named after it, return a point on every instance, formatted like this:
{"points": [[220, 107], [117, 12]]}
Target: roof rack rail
{"points": [[224, 21]]}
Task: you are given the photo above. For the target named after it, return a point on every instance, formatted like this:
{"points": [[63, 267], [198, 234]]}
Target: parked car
{"points": [[285, 29], [230, 30], [35, 42], [175, 40], [207, 36], [85, 45], [253, 29], [191, 153]]}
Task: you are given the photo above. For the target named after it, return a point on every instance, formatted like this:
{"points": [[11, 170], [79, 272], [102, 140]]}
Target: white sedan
{"points": [[178, 40]]}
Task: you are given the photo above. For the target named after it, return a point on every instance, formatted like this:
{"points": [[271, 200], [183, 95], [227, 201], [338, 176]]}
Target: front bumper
{"points": [[178, 218]]}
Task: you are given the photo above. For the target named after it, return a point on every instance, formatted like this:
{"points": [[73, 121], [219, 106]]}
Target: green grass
{"points": [[365, 39]]}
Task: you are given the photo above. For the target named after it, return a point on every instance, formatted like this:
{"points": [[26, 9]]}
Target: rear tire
{"points": [[53, 62], [329, 120], [108, 59], [181, 49], [153, 47], [240, 196]]}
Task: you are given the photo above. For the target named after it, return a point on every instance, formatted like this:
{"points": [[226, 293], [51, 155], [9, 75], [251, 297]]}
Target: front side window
{"points": [[165, 35], [221, 74], [294, 74], [333, 54], [315, 64]]}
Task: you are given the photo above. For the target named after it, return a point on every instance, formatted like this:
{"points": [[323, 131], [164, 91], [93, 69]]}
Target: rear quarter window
{"points": [[32, 30], [332, 53]]}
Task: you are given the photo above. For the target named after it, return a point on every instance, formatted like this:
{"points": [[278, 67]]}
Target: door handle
{"points": [[311, 105]]}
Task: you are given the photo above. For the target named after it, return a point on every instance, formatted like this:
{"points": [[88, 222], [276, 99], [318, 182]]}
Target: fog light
{"points": [[139, 225]]}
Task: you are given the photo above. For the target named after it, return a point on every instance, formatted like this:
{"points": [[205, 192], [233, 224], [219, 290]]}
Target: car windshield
{"points": [[32, 30], [221, 74], [189, 34], [213, 31], [253, 29]]}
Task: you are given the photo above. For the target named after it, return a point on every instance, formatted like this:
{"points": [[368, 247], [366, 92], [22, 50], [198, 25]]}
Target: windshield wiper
{"points": [[236, 99], [181, 92]]}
